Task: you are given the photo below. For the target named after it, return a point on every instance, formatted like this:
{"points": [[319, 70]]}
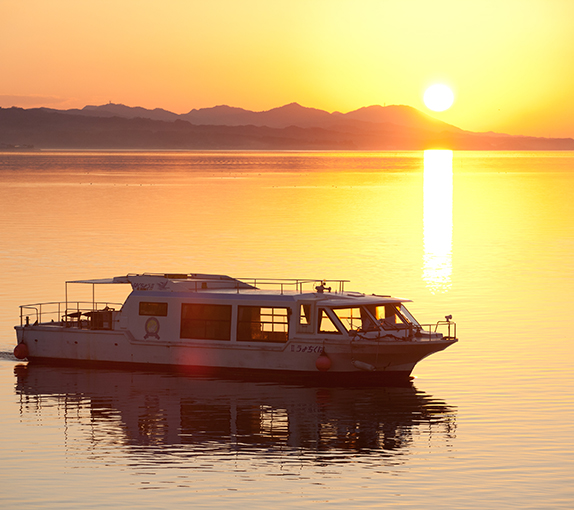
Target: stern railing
{"points": [[62, 312]]}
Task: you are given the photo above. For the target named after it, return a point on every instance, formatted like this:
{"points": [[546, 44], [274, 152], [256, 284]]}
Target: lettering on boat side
{"points": [[306, 348], [143, 286], [152, 328]]}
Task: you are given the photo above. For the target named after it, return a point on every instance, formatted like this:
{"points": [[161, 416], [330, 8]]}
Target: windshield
{"points": [[368, 318], [356, 318], [392, 315]]}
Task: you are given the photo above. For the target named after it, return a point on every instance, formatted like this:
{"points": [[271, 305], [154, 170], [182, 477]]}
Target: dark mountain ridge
{"points": [[292, 114], [292, 127]]}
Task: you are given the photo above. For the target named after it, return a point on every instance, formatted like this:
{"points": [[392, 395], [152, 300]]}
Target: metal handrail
{"points": [[298, 283], [60, 310], [203, 281], [434, 328]]}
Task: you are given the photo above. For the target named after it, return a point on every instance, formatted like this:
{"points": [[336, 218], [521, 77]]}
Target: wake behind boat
{"points": [[293, 329]]}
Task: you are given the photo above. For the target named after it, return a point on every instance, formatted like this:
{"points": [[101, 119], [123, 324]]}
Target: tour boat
{"points": [[217, 325]]}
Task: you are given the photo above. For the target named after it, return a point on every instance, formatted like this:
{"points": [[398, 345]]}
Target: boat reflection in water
{"points": [[156, 409], [437, 220]]}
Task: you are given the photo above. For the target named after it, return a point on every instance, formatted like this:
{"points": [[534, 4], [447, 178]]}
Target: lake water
{"points": [[485, 236]]}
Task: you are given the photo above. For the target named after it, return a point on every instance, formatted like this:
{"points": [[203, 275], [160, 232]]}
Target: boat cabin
{"points": [[178, 308]]}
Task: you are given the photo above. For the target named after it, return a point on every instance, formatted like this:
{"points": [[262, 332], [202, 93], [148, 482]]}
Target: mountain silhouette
{"points": [[292, 114], [289, 127]]}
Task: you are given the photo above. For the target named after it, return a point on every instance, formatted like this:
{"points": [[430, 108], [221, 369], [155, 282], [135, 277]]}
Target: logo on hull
{"points": [[152, 328]]}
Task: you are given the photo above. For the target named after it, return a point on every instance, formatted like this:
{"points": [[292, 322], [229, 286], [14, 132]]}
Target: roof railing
{"points": [[216, 281], [298, 284]]}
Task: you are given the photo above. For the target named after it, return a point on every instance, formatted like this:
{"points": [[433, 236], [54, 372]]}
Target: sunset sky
{"points": [[510, 63]]}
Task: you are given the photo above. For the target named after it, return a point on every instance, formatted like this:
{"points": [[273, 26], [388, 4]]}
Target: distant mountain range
{"points": [[289, 127], [285, 116]]}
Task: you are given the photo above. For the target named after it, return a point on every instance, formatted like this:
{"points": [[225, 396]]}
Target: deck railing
{"points": [[61, 311], [447, 328]]}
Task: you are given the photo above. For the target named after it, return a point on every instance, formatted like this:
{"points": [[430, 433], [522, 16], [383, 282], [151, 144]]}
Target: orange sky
{"points": [[509, 62]]}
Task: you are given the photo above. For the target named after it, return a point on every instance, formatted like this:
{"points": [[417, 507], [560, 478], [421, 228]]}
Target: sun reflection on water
{"points": [[437, 220]]}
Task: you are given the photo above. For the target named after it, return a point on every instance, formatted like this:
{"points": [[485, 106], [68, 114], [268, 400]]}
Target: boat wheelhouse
{"points": [[220, 325]]}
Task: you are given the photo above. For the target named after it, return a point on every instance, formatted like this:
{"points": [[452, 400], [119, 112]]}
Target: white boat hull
{"points": [[299, 355]]}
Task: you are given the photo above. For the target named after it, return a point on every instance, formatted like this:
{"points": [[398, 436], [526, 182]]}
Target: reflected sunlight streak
{"points": [[437, 220]]}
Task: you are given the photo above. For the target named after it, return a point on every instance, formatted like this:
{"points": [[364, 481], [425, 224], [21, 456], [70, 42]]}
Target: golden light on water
{"points": [[437, 220]]}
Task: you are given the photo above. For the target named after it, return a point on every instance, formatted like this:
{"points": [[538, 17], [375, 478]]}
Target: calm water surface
{"points": [[487, 237]]}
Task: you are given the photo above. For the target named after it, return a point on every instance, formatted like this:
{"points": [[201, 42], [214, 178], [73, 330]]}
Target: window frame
{"points": [[250, 330], [364, 315], [214, 328], [160, 311], [338, 327]]}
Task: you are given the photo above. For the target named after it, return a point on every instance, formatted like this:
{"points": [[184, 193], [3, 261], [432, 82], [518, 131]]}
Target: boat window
{"points": [[356, 318], [158, 309], [205, 322], [407, 315], [305, 324], [262, 324], [305, 314], [392, 316], [326, 325]]}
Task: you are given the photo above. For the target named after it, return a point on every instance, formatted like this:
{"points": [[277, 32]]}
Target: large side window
{"points": [[262, 324], [205, 322]]}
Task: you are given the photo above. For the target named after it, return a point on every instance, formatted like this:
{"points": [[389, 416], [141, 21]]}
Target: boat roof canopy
{"points": [[330, 292], [200, 281], [97, 281]]}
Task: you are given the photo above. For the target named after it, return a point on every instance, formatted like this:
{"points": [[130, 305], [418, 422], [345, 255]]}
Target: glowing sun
{"points": [[438, 97]]}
